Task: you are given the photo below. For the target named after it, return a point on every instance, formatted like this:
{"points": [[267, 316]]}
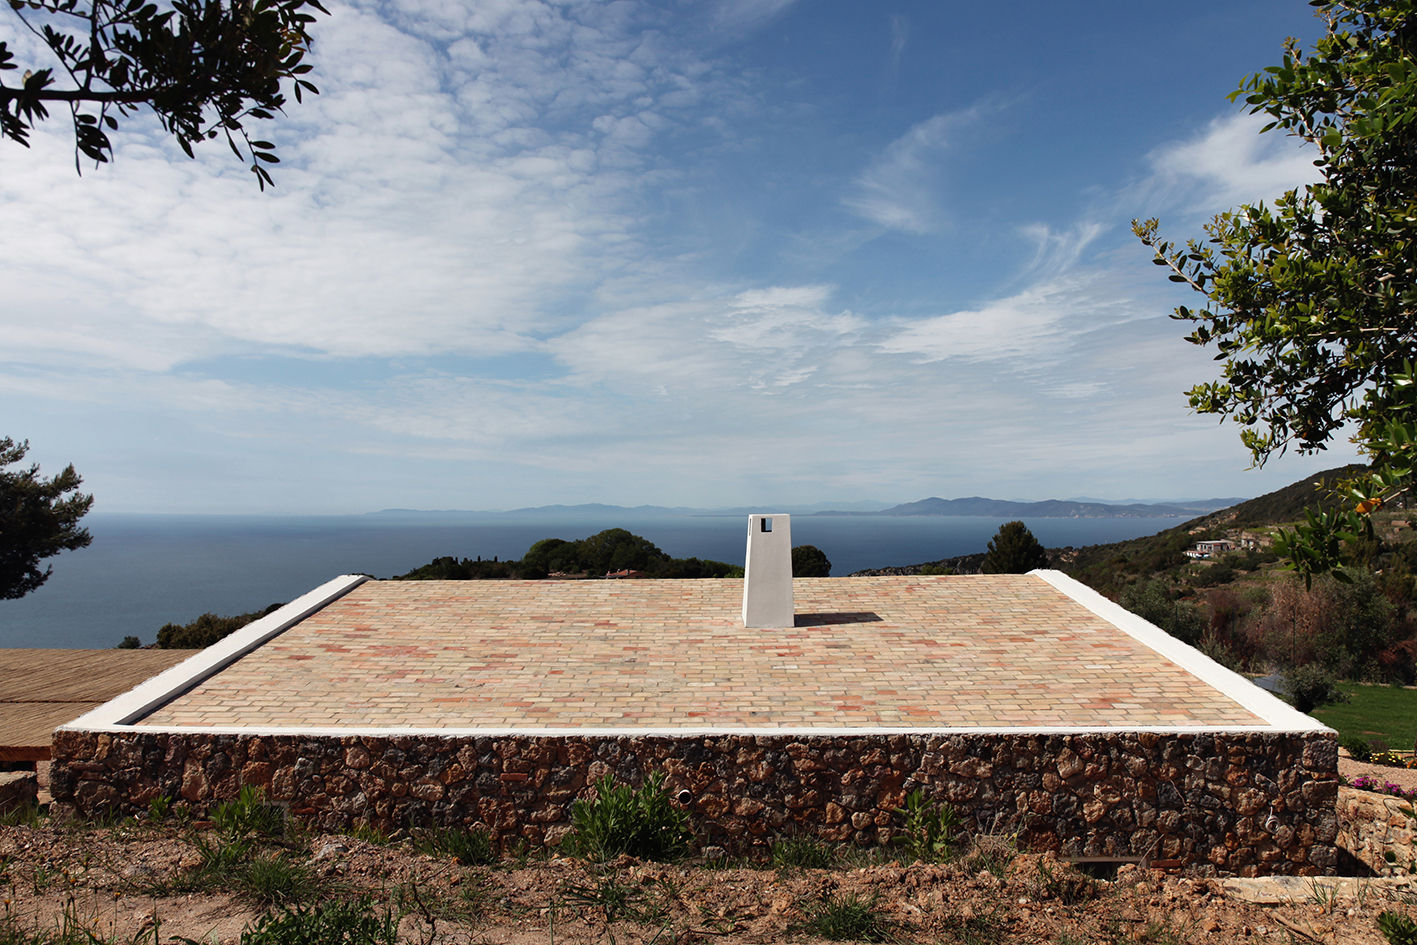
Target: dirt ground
{"points": [[1405, 778], [134, 883]]}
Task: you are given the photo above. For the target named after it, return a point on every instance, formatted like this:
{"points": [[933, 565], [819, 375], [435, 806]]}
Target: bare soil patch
{"points": [[134, 882]]}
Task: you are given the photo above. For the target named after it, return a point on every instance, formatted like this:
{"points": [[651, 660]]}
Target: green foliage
{"points": [[1343, 626], [847, 916], [129, 642], [470, 846], [803, 853], [810, 561], [621, 819], [205, 68], [931, 828], [275, 879], [248, 816], [1014, 550], [1154, 602], [1398, 928], [1311, 304], [1358, 748], [614, 549], [206, 629], [328, 923], [39, 517], [1310, 686]]}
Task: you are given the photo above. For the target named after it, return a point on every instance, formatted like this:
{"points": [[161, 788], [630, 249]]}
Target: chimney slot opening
{"points": [[766, 524]]}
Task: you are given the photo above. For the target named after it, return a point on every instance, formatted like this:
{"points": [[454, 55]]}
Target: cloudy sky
{"points": [[704, 253]]}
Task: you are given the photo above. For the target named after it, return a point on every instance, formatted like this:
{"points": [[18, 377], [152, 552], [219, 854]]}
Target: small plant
{"points": [[1358, 748], [1064, 883], [804, 853], [248, 815], [613, 899], [370, 833], [22, 815], [1398, 928], [992, 852], [328, 923], [931, 828], [641, 822], [469, 846], [158, 808], [847, 916], [274, 879], [1388, 758]]}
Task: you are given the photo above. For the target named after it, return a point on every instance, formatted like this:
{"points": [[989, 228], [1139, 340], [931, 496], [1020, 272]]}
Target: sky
{"points": [[712, 253]]}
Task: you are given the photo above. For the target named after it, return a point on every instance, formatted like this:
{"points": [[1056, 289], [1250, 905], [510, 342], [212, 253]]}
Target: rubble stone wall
{"points": [[1242, 804], [1373, 827]]}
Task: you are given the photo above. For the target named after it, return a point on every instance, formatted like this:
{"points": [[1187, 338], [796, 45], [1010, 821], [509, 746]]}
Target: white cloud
{"points": [[1039, 324], [899, 189], [1230, 163]]}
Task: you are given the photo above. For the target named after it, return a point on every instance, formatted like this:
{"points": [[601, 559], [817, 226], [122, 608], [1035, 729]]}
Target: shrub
{"points": [[1154, 602], [1358, 748], [621, 819], [1013, 550], [206, 629], [1311, 686], [329, 923], [469, 846]]}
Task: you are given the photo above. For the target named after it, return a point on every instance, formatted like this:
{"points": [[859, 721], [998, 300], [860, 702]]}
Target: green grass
{"points": [[1385, 712]]}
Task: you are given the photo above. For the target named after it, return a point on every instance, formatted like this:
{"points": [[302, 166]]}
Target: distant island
{"points": [[975, 506]]}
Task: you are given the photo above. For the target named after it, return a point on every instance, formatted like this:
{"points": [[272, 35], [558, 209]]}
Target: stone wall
{"points": [[1372, 826], [1239, 804], [18, 789]]}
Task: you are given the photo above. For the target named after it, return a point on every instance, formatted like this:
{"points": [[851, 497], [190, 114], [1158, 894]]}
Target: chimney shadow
{"points": [[822, 620]]}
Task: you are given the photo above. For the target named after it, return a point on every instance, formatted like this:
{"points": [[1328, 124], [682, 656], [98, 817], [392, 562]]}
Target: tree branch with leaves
{"points": [[205, 68], [1311, 304]]}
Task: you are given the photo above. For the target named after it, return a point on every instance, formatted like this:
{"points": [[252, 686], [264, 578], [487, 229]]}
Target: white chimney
{"points": [[767, 582]]}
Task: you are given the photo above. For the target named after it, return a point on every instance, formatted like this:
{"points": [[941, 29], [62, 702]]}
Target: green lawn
{"points": [[1385, 712]]}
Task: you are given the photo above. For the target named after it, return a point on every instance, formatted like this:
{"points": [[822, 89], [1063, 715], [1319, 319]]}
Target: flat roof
{"points": [[917, 653], [41, 689]]}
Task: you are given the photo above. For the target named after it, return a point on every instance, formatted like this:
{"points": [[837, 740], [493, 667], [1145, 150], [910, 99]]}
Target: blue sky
{"points": [[686, 253]]}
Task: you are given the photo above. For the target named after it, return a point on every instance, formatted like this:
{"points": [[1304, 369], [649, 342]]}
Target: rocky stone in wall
{"points": [[18, 789], [1236, 803], [1378, 831]]}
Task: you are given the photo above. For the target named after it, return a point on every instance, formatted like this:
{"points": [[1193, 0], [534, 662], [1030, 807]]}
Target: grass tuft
{"points": [[847, 916], [469, 846], [803, 853]]}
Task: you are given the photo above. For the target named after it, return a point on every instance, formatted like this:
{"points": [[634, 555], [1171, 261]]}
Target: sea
{"points": [[144, 571]]}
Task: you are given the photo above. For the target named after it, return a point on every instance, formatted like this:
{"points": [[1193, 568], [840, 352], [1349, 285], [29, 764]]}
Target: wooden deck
{"points": [[41, 690]]}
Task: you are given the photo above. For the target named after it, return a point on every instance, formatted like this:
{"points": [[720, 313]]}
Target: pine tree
{"points": [[1014, 550]]}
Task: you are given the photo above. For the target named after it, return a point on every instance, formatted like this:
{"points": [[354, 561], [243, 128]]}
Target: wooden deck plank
{"points": [[41, 690], [35, 675], [27, 728]]}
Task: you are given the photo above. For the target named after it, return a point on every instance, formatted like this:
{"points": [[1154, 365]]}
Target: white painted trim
{"points": [[119, 713], [1279, 714], [706, 731]]}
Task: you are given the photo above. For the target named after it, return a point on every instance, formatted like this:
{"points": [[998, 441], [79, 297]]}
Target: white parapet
{"points": [[767, 582]]}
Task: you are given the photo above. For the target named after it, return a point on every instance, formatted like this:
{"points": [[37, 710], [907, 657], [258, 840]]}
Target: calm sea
{"points": [[144, 571]]}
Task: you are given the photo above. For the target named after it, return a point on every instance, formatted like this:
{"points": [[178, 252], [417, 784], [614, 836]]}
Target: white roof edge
{"points": [[313, 731], [118, 713], [1278, 713]]}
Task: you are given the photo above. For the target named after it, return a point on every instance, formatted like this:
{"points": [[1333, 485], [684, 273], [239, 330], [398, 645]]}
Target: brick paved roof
{"points": [[912, 652]]}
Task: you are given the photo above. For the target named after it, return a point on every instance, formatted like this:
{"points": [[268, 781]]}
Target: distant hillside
{"points": [[1048, 508], [1111, 567]]}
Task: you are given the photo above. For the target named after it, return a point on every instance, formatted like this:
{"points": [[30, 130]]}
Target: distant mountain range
{"points": [[971, 506], [1054, 508]]}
